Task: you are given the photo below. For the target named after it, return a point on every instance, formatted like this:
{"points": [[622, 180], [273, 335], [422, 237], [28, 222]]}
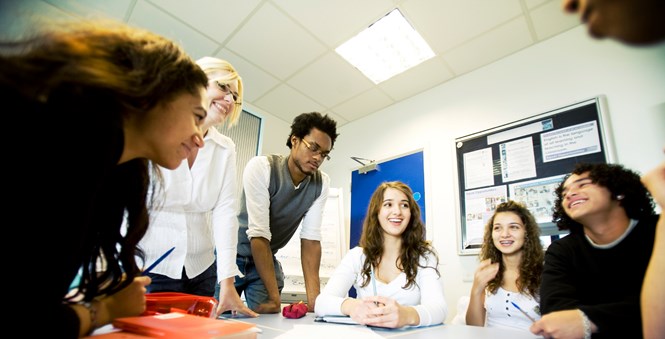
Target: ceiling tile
{"points": [[549, 20], [275, 42], [490, 47], [286, 103], [446, 24], [363, 104], [20, 17], [155, 19], [340, 121], [315, 16], [259, 82], [535, 3], [210, 17], [284, 49], [420, 78], [91, 9], [330, 80]]}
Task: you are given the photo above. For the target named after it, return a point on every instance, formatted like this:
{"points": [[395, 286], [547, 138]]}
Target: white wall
{"points": [[566, 69]]}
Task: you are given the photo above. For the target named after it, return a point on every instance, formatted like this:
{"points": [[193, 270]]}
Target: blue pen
{"points": [[521, 310], [147, 270]]}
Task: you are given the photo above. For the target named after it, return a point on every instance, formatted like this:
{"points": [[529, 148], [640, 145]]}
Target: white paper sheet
{"points": [[330, 332]]}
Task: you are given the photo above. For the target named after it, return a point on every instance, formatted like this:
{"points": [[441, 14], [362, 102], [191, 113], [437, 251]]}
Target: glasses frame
{"points": [[315, 150], [226, 89]]}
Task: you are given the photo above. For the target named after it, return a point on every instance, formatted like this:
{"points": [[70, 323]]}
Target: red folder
{"points": [[166, 302], [185, 326], [117, 335]]}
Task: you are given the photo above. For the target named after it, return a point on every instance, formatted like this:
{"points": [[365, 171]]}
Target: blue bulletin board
{"points": [[407, 168]]}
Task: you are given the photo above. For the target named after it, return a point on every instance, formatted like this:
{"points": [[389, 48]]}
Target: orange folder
{"points": [[185, 326]]}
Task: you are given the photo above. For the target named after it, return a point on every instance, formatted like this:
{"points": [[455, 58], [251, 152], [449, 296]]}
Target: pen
{"points": [[166, 254], [521, 310]]}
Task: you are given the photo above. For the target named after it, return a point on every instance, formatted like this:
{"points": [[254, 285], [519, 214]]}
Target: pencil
{"points": [[521, 310], [166, 254]]}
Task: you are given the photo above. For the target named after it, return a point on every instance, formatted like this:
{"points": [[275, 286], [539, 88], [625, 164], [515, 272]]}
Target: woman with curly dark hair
{"points": [[592, 277], [394, 270], [511, 262]]}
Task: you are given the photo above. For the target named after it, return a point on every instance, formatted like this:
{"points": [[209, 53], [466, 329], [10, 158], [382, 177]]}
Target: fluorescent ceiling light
{"points": [[387, 47]]}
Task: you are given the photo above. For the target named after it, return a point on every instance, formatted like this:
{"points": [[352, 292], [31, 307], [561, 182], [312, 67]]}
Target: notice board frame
{"points": [[525, 160]]}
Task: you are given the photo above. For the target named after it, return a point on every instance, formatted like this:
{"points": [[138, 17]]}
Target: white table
{"points": [[273, 325]]}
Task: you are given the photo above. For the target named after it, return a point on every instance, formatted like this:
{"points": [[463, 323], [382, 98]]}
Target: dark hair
{"points": [[531, 266], [303, 124], [619, 181], [414, 245], [112, 72]]}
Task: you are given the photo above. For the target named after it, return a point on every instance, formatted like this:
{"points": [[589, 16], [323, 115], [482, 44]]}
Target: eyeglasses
{"points": [[226, 89], [315, 150]]}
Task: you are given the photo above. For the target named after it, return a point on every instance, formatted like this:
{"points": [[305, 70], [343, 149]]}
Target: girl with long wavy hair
{"points": [[394, 270], [506, 283]]}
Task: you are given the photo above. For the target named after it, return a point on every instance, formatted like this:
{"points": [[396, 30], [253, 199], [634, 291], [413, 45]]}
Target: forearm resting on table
{"points": [[264, 265], [311, 261], [348, 305]]}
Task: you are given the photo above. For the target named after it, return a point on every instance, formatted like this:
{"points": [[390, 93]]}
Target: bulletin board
{"points": [[525, 161]]}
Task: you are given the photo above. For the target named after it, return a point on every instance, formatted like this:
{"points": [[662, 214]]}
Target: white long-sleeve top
{"points": [[198, 214], [426, 296]]}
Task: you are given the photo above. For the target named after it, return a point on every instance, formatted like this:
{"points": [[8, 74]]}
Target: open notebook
{"points": [[337, 319], [185, 326]]}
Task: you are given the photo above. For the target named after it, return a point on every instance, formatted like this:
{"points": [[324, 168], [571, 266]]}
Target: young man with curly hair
{"points": [[592, 277]]}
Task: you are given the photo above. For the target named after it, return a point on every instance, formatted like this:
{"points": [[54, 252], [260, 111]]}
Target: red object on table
{"points": [[295, 310]]}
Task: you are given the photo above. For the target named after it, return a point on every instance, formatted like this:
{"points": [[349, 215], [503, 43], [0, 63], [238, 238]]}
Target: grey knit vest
{"points": [[288, 205]]}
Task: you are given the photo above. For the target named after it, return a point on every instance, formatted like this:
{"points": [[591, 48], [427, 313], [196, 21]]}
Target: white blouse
{"points": [[197, 214], [426, 296], [500, 311]]}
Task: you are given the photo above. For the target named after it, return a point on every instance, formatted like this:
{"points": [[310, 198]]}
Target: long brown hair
{"points": [[531, 266], [414, 245]]}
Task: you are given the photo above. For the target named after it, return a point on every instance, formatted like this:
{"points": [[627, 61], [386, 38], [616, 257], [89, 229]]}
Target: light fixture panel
{"points": [[386, 48]]}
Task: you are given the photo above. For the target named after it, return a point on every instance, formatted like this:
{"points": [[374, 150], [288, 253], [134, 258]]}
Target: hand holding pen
{"points": [[130, 301]]}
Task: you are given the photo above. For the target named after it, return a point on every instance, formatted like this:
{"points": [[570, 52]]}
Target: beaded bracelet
{"points": [[587, 325], [92, 310]]}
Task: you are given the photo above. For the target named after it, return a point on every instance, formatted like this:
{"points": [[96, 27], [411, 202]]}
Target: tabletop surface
{"points": [[274, 325]]}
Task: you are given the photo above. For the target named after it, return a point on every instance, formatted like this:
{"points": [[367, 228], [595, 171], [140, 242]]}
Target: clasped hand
{"points": [[378, 311]]}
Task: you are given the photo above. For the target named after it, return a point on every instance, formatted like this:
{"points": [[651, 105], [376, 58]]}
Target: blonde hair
{"points": [[210, 66]]}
